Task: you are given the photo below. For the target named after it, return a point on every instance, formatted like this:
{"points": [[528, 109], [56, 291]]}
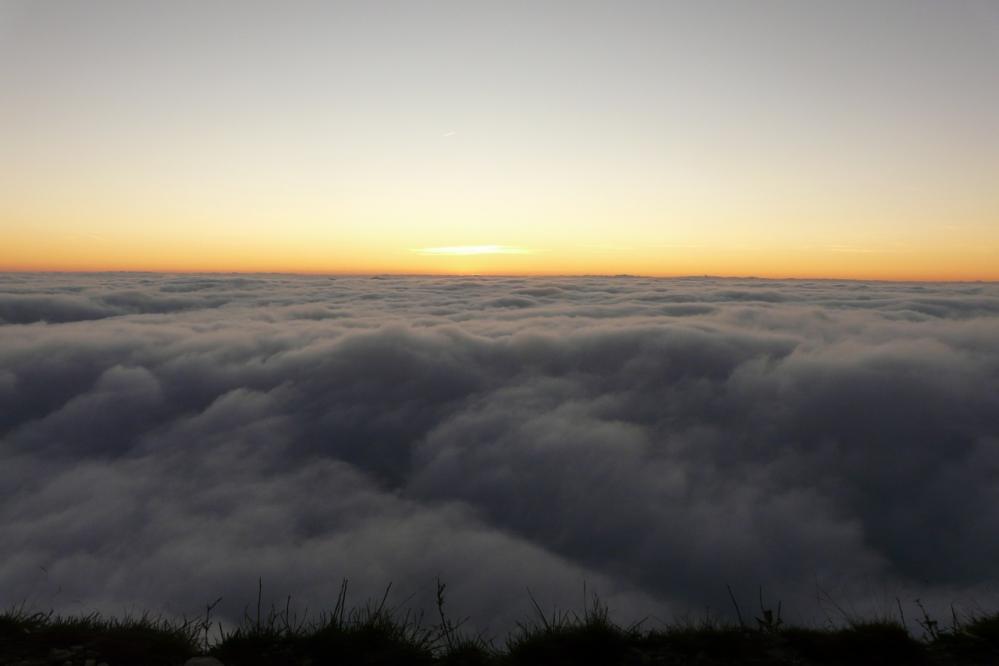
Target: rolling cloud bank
{"points": [[168, 439]]}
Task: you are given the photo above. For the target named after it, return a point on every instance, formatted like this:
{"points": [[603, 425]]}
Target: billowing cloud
{"points": [[170, 439]]}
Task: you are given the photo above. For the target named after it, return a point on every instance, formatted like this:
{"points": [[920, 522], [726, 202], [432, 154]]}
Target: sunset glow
{"points": [[356, 139], [467, 250]]}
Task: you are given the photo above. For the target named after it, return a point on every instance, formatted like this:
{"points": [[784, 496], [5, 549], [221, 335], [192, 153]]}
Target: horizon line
{"points": [[360, 274]]}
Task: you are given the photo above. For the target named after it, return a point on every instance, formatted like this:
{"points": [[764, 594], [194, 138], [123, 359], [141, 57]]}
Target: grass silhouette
{"points": [[376, 634], [30, 638]]}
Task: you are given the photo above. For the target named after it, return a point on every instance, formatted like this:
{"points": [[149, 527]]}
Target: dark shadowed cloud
{"points": [[169, 439]]}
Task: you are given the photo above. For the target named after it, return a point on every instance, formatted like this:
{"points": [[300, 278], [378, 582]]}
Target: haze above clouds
{"points": [[167, 439], [849, 139]]}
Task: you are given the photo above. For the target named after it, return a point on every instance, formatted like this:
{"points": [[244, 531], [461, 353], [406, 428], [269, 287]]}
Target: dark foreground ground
{"points": [[374, 635]]}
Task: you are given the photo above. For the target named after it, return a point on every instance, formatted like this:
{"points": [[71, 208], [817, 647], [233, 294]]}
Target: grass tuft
{"points": [[568, 638], [377, 634], [144, 639], [876, 642]]}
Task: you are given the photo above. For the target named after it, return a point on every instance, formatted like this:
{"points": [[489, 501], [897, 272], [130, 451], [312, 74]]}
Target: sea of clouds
{"points": [[169, 439]]}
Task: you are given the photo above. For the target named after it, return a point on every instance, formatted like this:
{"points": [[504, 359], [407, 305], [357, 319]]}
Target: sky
{"points": [[166, 440], [778, 139]]}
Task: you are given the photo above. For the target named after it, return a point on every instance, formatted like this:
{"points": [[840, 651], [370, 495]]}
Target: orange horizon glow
{"points": [[495, 266], [664, 139], [390, 247]]}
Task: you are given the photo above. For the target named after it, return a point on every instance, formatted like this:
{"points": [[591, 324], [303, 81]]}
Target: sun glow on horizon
{"points": [[660, 139], [471, 250]]}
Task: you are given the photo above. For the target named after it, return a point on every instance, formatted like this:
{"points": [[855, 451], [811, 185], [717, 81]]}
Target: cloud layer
{"points": [[170, 439]]}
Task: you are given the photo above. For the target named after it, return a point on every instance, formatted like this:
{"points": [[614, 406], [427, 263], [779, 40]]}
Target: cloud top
{"points": [[169, 438]]}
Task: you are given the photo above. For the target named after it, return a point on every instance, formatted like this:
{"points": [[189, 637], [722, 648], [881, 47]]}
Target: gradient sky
{"points": [[838, 139]]}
